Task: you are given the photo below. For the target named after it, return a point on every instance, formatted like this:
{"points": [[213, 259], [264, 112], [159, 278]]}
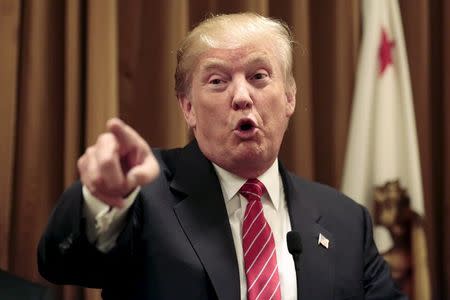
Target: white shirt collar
{"points": [[231, 183]]}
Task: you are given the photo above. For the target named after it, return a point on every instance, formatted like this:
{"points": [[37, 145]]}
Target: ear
{"points": [[188, 110], [291, 92]]}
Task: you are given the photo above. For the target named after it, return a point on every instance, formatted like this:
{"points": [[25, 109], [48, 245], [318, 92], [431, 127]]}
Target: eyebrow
{"points": [[214, 63]]}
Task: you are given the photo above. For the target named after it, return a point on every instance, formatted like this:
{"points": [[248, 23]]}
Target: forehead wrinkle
{"points": [[214, 63], [258, 59]]}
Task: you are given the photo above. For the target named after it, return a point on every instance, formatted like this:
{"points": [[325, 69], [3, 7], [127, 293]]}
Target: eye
{"points": [[260, 75], [215, 81]]}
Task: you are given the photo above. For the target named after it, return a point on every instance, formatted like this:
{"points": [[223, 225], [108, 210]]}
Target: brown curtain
{"points": [[67, 66], [56, 57], [427, 34]]}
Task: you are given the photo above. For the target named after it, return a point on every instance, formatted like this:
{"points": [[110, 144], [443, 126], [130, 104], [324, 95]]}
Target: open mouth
{"points": [[246, 129], [246, 125]]}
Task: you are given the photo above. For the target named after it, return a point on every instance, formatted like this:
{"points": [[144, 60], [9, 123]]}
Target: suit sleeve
{"points": [[65, 256], [378, 283]]}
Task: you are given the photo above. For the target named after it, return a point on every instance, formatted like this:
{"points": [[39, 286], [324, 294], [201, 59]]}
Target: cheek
{"points": [[212, 119], [274, 112], [206, 113]]}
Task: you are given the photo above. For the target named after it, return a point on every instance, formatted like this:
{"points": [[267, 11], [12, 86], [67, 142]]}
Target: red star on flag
{"points": [[385, 51]]}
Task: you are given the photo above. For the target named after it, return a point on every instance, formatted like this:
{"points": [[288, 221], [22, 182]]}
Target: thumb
{"points": [[143, 173]]}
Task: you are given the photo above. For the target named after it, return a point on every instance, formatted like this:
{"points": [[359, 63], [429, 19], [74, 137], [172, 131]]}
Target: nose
{"points": [[241, 96]]}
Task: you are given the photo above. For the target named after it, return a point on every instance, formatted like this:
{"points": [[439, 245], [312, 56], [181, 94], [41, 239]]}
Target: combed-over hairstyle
{"points": [[231, 31]]}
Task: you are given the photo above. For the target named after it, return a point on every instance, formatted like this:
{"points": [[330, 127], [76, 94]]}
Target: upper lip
{"points": [[245, 121]]}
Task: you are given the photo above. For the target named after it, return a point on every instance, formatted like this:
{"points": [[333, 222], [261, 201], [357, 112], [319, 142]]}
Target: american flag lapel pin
{"points": [[323, 241]]}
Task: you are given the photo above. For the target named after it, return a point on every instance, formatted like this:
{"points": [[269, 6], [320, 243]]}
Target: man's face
{"points": [[239, 107]]}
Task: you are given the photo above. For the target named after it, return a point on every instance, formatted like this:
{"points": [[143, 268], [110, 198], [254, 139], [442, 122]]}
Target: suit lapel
{"points": [[315, 279], [202, 215]]}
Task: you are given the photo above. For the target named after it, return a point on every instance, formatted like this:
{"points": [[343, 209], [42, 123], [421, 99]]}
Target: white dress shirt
{"points": [[276, 213], [105, 223]]}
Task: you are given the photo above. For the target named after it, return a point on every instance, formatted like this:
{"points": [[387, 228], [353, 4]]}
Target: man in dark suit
{"points": [[16, 288], [209, 221]]}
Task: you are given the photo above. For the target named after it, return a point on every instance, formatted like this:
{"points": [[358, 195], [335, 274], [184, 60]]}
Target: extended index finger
{"points": [[126, 136]]}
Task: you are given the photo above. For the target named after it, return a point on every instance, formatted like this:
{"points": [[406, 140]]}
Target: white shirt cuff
{"points": [[103, 222]]}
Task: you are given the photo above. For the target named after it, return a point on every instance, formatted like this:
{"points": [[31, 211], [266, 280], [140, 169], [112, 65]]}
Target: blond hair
{"points": [[229, 31]]}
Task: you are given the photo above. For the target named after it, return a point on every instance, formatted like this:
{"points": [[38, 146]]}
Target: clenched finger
{"points": [[108, 162], [110, 200], [90, 176]]}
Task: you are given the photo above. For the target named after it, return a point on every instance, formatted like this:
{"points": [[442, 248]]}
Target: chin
{"points": [[249, 149], [246, 162], [252, 156]]}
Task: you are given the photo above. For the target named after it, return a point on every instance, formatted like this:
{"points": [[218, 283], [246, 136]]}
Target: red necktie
{"points": [[260, 257]]}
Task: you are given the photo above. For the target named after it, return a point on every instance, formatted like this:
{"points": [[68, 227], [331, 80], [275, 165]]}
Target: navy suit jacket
{"points": [[177, 242]]}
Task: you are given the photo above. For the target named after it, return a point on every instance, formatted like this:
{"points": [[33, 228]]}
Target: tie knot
{"points": [[252, 189]]}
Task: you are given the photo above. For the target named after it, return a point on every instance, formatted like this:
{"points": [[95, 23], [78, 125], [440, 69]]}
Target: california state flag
{"points": [[382, 166]]}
